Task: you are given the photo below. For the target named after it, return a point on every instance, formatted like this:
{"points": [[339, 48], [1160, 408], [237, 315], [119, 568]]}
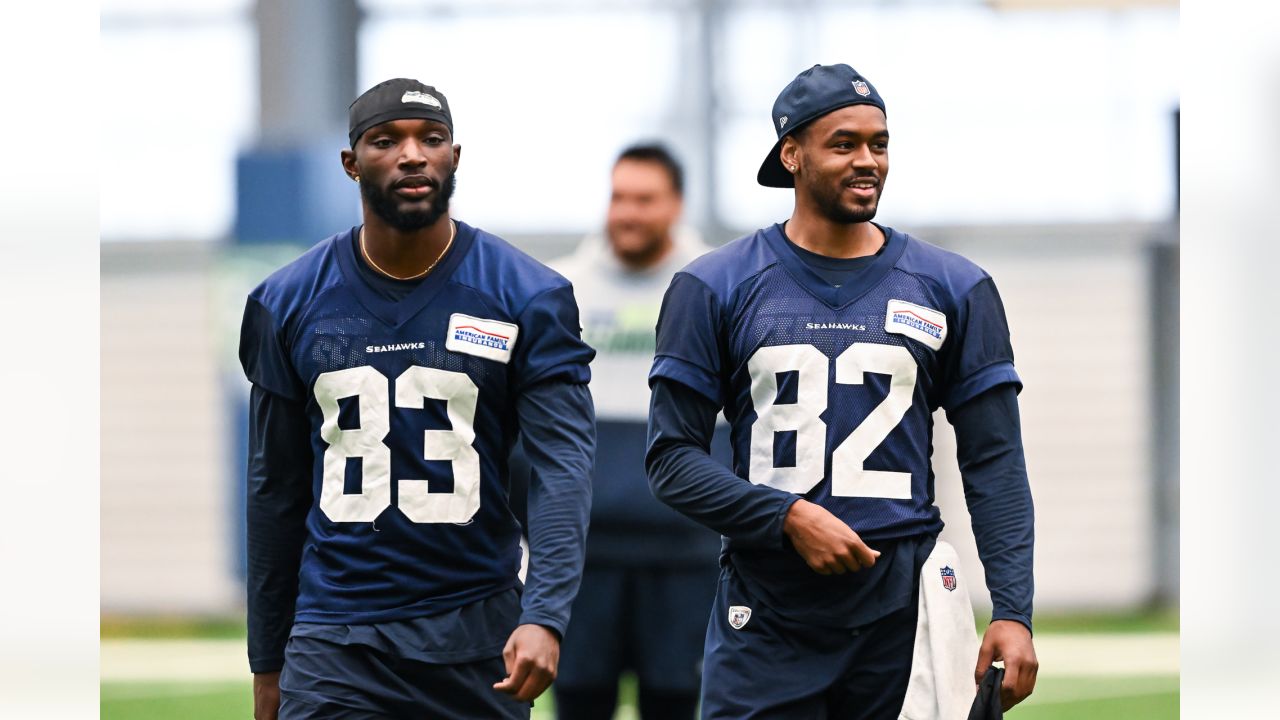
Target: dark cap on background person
{"points": [[812, 94], [396, 99]]}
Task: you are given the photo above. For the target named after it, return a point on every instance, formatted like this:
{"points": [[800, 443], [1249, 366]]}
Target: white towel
{"points": [[946, 649]]}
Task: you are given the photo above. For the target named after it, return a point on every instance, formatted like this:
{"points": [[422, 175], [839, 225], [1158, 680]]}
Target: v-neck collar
{"points": [[895, 243], [393, 312]]}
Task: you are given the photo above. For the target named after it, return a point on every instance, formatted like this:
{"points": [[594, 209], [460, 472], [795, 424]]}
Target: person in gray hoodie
{"points": [[650, 572]]}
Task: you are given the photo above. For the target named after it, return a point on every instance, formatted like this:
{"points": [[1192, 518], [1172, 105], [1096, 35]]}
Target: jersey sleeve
{"points": [[688, 344], [550, 346], [982, 355], [264, 354]]}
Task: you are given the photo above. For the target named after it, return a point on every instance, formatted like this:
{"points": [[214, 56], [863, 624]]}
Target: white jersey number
{"points": [[414, 385], [848, 476]]}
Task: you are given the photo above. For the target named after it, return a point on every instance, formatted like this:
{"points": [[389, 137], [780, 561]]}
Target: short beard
{"points": [[829, 205], [653, 248], [385, 206], [643, 257]]}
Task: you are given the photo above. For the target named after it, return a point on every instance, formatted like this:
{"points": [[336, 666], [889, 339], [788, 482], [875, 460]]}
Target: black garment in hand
{"points": [[986, 706]]}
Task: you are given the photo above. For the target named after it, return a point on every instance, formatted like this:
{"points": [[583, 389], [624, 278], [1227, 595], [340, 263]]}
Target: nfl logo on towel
{"points": [[948, 578], [738, 616]]}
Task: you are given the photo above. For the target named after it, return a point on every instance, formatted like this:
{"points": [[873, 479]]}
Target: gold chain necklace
{"points": [[453, 231]]}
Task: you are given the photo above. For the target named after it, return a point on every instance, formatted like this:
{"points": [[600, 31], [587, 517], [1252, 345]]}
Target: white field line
{"points": [[217, 660], [150, 690], [173, 660], [1109, 654], [1101, 688]]}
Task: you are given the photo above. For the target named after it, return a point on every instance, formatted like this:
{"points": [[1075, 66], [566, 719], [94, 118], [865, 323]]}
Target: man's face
{"points": [[843, 160], [406, 170], [642, 210]]}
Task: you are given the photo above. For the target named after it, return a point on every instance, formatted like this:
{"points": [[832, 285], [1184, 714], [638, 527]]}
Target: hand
{"points": [[1010, 641], [266, 695], [824, 541], [532, 656]]}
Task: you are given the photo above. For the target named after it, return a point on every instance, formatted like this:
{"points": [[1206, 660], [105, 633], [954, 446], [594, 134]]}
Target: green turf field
{"points": [[1145, 698], [1148, 697], [205, 701]]}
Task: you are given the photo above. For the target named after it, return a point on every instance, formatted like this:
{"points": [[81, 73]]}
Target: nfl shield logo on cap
{"points": [[861, 88], [948, 578]]}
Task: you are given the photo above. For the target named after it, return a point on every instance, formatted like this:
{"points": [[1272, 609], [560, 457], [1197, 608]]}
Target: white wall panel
{"points": [[167, 525], [1080, 334]]}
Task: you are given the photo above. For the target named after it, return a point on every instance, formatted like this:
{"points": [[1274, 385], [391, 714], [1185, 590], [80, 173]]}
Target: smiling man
{"points": [[829, 340], [650, 572], [392, 367]]}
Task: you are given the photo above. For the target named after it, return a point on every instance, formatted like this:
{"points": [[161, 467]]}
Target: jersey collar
{"points": [[837, 297], [395, 313]]}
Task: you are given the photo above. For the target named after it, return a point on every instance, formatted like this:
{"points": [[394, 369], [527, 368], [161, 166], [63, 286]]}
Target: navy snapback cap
{"points": [[814, 93], [396, 99]]}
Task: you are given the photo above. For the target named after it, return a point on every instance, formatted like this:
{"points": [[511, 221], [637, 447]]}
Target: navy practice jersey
{"points": [[411, 406], [830, 391]]}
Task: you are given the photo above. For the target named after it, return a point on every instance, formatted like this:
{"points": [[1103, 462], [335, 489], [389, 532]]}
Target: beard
{"points": [[387, 207], [831, 207], [648, 246]]}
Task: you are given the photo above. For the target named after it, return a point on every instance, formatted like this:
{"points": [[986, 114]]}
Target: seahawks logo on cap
{"points": [[420, 97], [782, 122], [861, 88]]}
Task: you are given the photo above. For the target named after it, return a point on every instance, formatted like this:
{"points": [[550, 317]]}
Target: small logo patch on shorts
{"points": [[489, 339], [738, 616]]}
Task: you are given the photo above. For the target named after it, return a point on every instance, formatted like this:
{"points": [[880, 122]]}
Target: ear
{"points": [[349, 164], [790, 152], [457, 155]]}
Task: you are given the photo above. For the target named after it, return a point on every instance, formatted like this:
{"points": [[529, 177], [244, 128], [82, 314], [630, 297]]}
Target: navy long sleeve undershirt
{"points": [[278, 499], [993, 470], [683, 474], [989, 449], [556, 420]]}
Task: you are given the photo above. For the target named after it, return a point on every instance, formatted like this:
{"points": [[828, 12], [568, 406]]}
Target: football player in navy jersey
{"points": [[829, 341], [392, 367]]}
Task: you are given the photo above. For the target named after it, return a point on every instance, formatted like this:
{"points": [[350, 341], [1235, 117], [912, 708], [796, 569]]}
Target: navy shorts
{"points": [[649, 620], [774, 667], [323, 680]]}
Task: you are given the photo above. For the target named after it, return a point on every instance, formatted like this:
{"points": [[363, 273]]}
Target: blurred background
{"points": [[1038, 138]]}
